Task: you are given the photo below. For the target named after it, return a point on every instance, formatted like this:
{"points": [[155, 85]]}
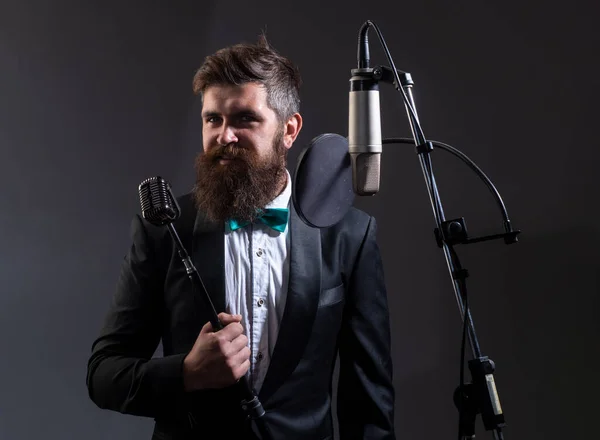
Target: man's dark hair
{"points": [[259, 62]]}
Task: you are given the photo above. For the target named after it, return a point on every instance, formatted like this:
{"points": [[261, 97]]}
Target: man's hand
{"points": [[217, 359]]}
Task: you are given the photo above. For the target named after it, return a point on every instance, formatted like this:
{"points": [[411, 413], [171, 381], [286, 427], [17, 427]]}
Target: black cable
{"points": [[433, 189], [465, 159], [461, 275], [398, 83], [421, 135], [417, 126]]}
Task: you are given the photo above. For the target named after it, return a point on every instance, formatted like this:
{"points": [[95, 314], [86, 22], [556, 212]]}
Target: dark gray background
{"points": [[96, 96]]}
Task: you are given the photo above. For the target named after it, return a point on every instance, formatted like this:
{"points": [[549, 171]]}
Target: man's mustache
{"points": [[230, 151]]}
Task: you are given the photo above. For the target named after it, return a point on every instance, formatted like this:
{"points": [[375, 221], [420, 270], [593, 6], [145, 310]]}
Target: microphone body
{"points": [[159, 206], [364, 132]]}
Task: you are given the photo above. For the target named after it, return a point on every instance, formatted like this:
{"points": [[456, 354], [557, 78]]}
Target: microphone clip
{"points": [[455, 232], [384, 74]]}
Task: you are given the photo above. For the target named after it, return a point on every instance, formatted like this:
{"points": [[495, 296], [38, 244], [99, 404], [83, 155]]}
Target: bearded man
{"points": [[291, 298]]}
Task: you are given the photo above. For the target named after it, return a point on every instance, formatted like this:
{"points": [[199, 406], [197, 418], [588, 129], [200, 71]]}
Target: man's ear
{"points": [[291, 130]]}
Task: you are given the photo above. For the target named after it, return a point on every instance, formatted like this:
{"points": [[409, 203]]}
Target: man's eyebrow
{"points": [[235, 114], [248, 112], [209, 114]]}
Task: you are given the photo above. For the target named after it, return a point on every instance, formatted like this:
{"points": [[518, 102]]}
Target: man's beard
{"points": [[242, 187]]}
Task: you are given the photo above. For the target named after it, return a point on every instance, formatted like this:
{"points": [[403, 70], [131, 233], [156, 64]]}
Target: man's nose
{"points": [[227, 135]]}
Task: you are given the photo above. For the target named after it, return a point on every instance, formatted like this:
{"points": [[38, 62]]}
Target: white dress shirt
{"points": [[256, 282]]}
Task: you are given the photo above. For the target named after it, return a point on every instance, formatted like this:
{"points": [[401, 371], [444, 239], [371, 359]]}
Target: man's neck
{"points": [[282, 185]]}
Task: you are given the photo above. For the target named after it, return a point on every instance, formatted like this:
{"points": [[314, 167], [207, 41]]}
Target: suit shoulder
{"points": [[353, 225], [188, 209], [186, 203], [358, 214], [356, 218]]}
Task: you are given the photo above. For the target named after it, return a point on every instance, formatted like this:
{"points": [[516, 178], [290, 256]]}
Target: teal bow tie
{"points": [[276, 218]]}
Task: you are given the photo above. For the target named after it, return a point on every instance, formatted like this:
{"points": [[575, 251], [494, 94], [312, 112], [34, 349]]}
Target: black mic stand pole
{"points": [[480, 396]]}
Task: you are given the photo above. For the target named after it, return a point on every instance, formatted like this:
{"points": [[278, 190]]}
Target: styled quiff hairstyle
{"points": [[259, 62]]}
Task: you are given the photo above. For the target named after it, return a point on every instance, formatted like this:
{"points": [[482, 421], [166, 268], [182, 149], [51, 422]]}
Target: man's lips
{"points": [[225, 159]]}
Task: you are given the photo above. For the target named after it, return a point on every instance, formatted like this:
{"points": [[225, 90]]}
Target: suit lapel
{"points": [[209, 258], [300, 306]]}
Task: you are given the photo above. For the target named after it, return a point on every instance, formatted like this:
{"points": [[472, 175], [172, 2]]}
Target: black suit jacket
{"points": [[336, 301]]}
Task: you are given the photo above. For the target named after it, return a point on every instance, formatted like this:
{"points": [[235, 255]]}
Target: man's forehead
{"points": [[234, 97]]}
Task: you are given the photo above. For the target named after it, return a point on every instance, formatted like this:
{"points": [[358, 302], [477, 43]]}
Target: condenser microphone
{"points": [[364, 123], [159, 206]]}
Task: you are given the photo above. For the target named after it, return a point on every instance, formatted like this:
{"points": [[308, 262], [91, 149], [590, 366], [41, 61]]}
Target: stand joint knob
{"points": [[427, 147], [452, 232]]}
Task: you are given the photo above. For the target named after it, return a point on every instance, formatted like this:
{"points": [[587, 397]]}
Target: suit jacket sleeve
{"points": [[365, 388], [122, 375]]}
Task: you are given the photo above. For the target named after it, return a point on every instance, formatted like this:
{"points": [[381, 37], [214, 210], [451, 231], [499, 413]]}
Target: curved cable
{"points": [[397, 78], [462, 156]]}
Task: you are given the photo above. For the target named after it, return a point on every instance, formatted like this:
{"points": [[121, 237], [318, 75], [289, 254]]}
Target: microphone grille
{"points": [[158, 204], [365, 173]]}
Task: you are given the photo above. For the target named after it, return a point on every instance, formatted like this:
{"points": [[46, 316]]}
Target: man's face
{"points": [[245, 145], [240, 116]]}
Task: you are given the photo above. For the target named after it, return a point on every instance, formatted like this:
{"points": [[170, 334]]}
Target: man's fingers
{"points": [[240, 371], [230, 332], [226, 337], [243, 355], [207, 328], [238, 344], [226, 318]]}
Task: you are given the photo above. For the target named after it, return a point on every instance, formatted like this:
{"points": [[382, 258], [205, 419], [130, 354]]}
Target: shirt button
{"points": [[259, 252], [260, 302]]}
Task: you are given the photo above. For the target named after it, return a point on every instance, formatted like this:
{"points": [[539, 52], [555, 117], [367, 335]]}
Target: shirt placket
{"points": [[259, 302]]}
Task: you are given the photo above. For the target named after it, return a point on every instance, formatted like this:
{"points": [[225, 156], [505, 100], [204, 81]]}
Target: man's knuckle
{"points": [[231, 364], [221, 342]]}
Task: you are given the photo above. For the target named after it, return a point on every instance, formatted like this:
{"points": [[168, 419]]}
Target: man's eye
{"points": [[212, 119], [247, 118]]}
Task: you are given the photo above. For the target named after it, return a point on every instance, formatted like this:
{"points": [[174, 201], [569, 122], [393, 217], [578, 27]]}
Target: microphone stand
{"points": [[481, 395], [250, 403]]}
